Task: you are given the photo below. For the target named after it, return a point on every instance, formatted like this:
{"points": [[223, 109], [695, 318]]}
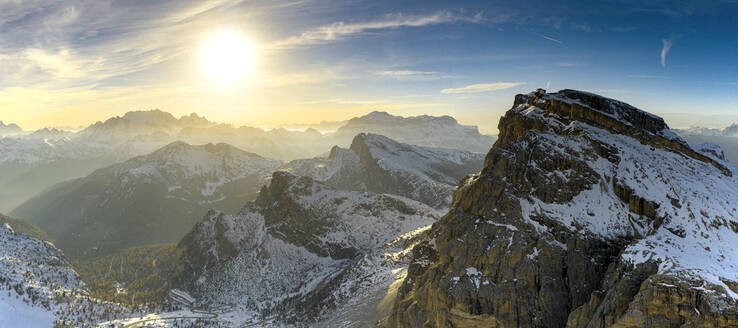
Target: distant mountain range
{"points": [[148, 199], [9, 129], [726, 138], [379, 164], [158, 197], [37, 160]]}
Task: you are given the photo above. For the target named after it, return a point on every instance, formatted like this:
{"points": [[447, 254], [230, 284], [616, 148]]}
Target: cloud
{"points": [[666, 47], [548, 38], [341, 30], [484, 87], [582, 27], [407, 75], [83, 42]]}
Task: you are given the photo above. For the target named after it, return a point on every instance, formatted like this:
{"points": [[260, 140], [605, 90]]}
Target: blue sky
{"points": [[74, 62]]}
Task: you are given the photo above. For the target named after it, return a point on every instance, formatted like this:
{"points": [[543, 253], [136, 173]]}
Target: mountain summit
{"points": [[588, 213], [379, 164], [424, 130], [148, 199]]}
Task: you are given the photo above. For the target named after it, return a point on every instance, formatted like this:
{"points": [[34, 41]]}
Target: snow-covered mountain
{"points": [[588, 213], [729, 131], [299, 251], [276, 143], [122, 128], [38, 287], [726, 138], [147, 199], [379, 164], [33, 162], [429, 131], [9, 129]]}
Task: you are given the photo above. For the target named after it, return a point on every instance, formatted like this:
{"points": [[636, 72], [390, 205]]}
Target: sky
{"points": [[71, 63]]}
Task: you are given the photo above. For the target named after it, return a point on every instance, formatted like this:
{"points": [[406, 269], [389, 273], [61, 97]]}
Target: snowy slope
{"points": [[379, 164], [35, 151], [147, 199], [295, 239], [38, 287], [588, 213], [695, 199]]}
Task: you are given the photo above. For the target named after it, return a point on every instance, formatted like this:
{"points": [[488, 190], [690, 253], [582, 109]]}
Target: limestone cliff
{"points": [[588, 213]]}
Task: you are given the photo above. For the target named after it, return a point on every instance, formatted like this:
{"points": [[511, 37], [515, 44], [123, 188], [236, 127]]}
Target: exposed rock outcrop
{"points": [[300, 250], [379, 164], [588, 213]]}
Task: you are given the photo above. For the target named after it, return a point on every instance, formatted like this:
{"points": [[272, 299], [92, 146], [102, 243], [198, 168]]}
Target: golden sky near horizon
{"points": [[269, 63]]}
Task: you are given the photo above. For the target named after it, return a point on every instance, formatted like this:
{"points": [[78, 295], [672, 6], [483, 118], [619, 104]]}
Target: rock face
{"points": [[299, 250], [588, 213], [379, 164]]}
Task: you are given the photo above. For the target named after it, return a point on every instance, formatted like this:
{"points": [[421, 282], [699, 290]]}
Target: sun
{"points": [[228, 57]]}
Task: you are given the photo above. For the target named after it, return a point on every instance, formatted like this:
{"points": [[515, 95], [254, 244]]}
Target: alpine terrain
{"points": [[588, 213], [38, 287], [148, 199], [379, 164], [300, 251]]}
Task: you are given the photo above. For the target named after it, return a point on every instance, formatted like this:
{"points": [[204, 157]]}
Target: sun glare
{"points": [[228, 57]]}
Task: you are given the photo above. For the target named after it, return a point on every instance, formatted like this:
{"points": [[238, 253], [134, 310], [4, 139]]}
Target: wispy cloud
{"points": [[408, 75], [566, 64], [548, 38], [582, 27], [341, 30], [484, 87], [665, 48], [77, 43]]}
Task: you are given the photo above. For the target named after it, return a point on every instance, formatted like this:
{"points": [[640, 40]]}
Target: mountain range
{"points": [[158, 197], [379, 164], [9, 129], [585, 212], [35, 161], [726, 138], [148, 199]]}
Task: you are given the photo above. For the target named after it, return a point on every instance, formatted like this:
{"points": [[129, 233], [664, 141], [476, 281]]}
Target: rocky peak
{"points": [[281, 186], [563, 110], [587, 213], [360, 147]]}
